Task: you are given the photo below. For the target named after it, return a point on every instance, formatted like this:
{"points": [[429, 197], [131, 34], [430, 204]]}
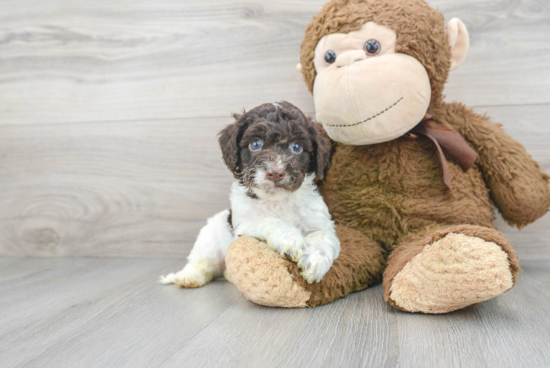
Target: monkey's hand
{"points": [[518, 186]]}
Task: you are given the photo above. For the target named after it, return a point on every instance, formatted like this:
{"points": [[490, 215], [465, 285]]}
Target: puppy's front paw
{"points": [[314, 265], [288, 241], [189, 277], [316, 260]]}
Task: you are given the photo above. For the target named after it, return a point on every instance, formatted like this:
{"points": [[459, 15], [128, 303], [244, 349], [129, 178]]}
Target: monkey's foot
{"points": [[451, 273]]}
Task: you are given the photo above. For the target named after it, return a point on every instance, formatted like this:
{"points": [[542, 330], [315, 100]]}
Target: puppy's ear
{"points": [[229, 143], [322, 149]]}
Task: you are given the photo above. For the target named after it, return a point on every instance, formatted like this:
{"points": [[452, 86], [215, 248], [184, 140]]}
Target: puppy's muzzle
{"points": [[275, 173]]}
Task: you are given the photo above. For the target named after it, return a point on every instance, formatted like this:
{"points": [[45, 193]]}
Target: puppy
{"points": [[276, 154]]}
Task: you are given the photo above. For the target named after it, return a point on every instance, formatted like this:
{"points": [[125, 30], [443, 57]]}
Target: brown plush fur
{"points": [[360, 265], [420, 33], [517, 185], [392, 194], [391, 189]]}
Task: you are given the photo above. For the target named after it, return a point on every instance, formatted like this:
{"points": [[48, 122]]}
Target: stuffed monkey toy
{"points": [[413, 179]]}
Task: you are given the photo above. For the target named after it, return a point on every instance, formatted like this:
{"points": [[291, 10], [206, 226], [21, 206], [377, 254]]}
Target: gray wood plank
{"points": [[111, 189], [358, 331], [493, 72], [363, 331], [110, 60], [59, 304], [145, 188], [110, 312], [503, 332]]}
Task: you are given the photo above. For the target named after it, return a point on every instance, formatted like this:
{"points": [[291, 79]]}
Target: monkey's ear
{"points": [[299, 69], [322, 150], [229, 143], [459, 40]]}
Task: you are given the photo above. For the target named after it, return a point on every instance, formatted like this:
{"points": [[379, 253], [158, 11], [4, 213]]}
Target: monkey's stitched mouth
{"points": [[364, 121]]}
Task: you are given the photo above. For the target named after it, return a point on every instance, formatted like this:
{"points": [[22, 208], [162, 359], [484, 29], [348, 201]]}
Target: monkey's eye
{"points": [[330, 56], [255, 145], [296, 148], [372, 47]]}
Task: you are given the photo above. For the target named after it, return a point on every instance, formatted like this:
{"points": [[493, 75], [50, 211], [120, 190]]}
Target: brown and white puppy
{"points": [[272, 148], [276, 153]]}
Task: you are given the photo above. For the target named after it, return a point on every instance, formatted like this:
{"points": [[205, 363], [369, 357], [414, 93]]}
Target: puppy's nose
{"points": [[275, 174]]}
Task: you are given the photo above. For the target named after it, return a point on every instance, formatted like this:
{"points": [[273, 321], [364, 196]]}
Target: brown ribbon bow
{"points": [[452, 141]]}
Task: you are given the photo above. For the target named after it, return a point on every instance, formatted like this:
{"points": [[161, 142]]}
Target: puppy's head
{"points": [[271, 149]]}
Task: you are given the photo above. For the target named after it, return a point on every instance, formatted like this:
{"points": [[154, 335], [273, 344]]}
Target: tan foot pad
{"points": [[450, 274], [273, 286]]}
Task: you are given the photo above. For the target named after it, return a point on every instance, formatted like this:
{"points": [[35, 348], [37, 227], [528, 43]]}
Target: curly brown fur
{"points": [[389, 190], [277, 126]]}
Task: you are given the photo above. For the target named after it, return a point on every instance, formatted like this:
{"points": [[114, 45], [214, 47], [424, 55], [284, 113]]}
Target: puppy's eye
{"points": [[330, 56], [255, 145], [372, 47], [296, 148]]}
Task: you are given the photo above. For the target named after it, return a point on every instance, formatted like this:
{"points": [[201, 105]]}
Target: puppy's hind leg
{"points": [[207, 258]]}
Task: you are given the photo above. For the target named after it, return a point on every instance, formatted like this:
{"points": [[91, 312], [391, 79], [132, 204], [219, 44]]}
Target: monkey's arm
{"points": [[518, 186]]}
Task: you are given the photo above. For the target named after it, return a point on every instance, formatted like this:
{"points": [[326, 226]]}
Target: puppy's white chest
{"points": [[292, 209], [286, 209]]}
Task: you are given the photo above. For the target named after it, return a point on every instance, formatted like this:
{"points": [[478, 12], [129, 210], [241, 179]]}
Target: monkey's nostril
{"points": [[348, 62]]}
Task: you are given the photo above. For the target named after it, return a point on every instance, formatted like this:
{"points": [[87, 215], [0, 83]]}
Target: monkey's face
{"points": [[365, 92]]}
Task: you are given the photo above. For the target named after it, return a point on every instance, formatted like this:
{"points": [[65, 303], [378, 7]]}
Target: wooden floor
{"points": [[111, 313], [109, 111]]}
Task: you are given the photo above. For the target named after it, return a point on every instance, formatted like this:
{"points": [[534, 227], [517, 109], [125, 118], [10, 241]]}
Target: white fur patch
{"points": [[207, 258], [297, 224]]}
